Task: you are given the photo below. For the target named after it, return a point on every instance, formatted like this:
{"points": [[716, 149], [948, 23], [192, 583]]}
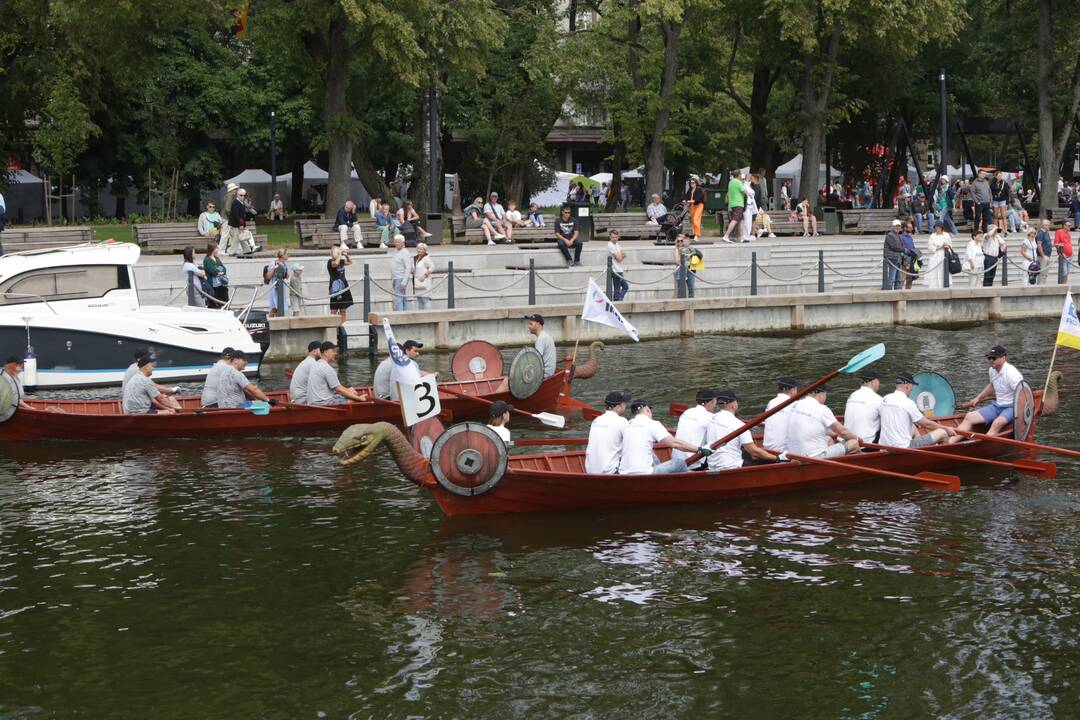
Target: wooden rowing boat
{"points": [[469, 475], [104, 419]]}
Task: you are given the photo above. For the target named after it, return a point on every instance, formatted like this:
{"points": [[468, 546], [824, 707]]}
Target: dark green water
{"points": [[254, 577]]}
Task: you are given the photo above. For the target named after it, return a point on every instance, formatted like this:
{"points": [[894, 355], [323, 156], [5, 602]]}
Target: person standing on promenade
{"points": [[936, 246], [981, 194], [696, 197], [736, 201], [993, 250], [423, 270], [893, 252], [619, 286], [401, 268]]}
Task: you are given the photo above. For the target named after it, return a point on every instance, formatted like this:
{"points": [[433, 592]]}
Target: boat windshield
{"points": [[73, 282]]}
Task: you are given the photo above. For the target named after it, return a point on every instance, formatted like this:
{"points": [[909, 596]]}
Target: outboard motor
{"points": [[258, 326]]}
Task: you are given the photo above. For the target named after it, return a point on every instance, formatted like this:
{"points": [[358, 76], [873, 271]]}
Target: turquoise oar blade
{"points": [[866, 357]]}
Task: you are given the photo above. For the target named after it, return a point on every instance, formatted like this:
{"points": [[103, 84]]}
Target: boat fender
{"points": [[1023, 411], [477, 360], [29, 373], [526, 373], [468, 459], [8, 405]]}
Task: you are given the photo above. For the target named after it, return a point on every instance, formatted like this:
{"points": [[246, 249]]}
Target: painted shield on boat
{"points": [[7, 400], [1024, 409], [526, 373], [423, 435], [933, 394], [477, 360], [468, 459]]}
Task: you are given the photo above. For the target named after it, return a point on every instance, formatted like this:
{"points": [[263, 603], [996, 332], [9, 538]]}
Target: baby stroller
{"points": [[671, 224]]}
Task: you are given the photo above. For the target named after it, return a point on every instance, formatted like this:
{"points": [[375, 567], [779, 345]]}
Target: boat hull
{"points": [[103, 419]]}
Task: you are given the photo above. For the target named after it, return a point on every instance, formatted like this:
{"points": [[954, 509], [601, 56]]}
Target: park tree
{"points": [[1058, 77]]}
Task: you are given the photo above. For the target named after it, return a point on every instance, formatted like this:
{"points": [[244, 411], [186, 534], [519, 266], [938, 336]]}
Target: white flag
{"points": [[404, 371], [598, 309]]}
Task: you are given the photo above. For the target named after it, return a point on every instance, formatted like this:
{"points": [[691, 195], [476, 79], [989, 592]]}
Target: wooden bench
{"points": [[475, 236], [37, 238], [320, 232], [174, 237], [861, 220], [629, 225]]}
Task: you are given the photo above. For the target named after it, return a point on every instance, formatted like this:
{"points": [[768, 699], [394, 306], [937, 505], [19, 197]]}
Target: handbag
{"points": [[954, 261], [337, 286], [220, 280]]}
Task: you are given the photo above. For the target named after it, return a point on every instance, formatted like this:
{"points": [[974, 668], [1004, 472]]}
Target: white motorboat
{"points": [[78, 309]]}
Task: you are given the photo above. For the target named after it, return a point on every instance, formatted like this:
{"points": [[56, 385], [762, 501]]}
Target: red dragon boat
{"points": [[471, 473]]}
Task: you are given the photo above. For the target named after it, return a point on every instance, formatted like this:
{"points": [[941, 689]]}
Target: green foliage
{"points": [[65, 128]]}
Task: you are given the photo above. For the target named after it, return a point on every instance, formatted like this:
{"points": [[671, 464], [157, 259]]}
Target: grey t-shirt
{"points": [[139, 394], [298, 386], [546, 347], [132, 371], [980, 191], [381, 383], [321, 384], [210, 385], [231, 386], [400, 265]]}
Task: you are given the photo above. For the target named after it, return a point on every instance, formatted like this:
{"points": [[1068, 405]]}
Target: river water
{"points": [[254, 577]]}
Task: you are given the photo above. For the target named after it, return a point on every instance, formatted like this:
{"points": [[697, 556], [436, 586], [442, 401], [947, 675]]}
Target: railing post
{"points": [[821, 271], [753, 273], [1062, 274], [532, 281], [610, 289], [1004, 262], [680, 280], [373, 335], [945, 269], [450, 285], [279, 291], [885, 274]]}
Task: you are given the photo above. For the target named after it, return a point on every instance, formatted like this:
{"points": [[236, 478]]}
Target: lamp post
{"points": [[943, 161], [273, 153]]}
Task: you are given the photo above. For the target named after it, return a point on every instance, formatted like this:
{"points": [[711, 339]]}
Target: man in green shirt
{"points": [[736, 201]]}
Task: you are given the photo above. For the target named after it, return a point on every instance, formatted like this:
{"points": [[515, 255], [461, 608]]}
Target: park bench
{"points": [[860, 221], [475, 236], [780, 223], [631, 226], [320, 232], [36, 238], [174, 237]]}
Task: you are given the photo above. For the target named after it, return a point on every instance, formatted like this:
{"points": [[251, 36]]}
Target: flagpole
{"points": [[1053, 356]]}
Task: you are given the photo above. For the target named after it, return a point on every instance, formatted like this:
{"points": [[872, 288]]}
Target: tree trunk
{"points": [[633, 62], [515, 185], [369, 176], [680, 177], [654, 162], [611, 203], [418, 186], [296, 194], [762, 147], [1048, 169], [815, 101], [335, 116]]}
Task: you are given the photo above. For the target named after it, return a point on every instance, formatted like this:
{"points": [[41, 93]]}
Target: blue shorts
{"points": [[993, 411]]}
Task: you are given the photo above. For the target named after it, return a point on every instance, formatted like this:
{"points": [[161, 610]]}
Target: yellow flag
{"points": [[1069, 327]]}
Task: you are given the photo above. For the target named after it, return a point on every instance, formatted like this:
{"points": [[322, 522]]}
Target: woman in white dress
{"points": [[935, 247], [973, 260], [751, 207]]}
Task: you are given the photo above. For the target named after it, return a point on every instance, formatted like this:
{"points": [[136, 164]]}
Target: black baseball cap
{"points": [[820, 389], [704, 395], [726, 395], [238, 355], [535, 318], [868, 375], [636, 406], [228, 351], [996, 352], [314, 345], [147, 358], [13, 359], [786, 383], [411, 344], [499, 407], [140, 352], [904, 379], [327, 346], [616, 397]]}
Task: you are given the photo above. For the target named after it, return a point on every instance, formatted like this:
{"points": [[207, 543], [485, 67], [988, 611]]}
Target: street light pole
{"points": [[943, 161], [273, 153]]}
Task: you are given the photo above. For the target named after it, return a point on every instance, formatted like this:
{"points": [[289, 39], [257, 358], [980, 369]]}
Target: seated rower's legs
{"points": [[936, 436], [675, 465]]}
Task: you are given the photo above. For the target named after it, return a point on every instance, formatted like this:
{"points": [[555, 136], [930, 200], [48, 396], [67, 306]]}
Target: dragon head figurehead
{"points": [[1050, 394], [587, 369], [359, 441]]}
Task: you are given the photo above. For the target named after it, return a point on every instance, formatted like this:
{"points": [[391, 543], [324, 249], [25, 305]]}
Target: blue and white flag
{"points": [[405, 371], [599, 309]]}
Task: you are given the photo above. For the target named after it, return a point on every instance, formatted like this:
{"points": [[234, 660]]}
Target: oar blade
{"points": [[1036, 468], [551, 420], [866, 357], [939, 481]]}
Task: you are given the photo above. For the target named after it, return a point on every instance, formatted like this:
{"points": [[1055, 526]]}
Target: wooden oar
{"points": [[1019, 443], [301, 406], [938, 481], [1026, 467], [552, 441], [549, 419], [855, 364]]}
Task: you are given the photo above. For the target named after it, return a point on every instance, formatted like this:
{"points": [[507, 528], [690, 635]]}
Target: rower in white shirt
{"points": [[694, 423], [730, 455], [810, 425], [499, 419], [900, 416], [1004, 379], [861, 414], [638, 439], [604, 450], [776, 426]]}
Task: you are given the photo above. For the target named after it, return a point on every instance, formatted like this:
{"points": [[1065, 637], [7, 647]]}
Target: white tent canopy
{"points": [[554, 195], [792, 169]]}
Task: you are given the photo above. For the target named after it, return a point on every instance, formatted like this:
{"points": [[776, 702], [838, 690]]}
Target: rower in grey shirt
{"points": [[545, 345], [231, 384], [139, 394], [381, 384], [323, 384], [132, 371], [210, 384], [298, 386]]}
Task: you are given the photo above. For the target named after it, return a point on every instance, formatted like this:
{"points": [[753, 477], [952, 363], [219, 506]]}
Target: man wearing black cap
{"points": [[605, 436], [545, 345], [213, 377], [165, 391], [499, 419], [900, 416], [694, 423], [383, 383], [324, 388], [141, 395], [638, 437], [811, 424], [234, 389], [1004, 379], [734, 452], [299, 384], [12, 367], [862, 414], [776, 426]]}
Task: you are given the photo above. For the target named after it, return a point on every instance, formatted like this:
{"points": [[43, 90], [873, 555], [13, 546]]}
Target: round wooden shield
{"points": [[1024, 411], [933, 394], [423, 435], [477, 360], [7, 399], [526, 373], [468, 459]]}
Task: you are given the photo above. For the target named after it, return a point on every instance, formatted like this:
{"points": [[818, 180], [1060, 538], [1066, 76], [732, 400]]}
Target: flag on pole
{"points": [[1069, 327], [405, 371], [598, 309]]}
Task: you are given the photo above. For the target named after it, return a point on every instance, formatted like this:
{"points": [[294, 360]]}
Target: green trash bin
{"points": [[582, 212], [829, 220], [715, 199]]}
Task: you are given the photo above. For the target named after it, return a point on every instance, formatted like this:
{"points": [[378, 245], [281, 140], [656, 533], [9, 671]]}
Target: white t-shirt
{"points": [[861, 414], [693, 426], [729, 455], [614, 250], [776, 426], [808, 427], [638, 437], [502, 431], [1005, 383], [513, 216], [605, 444], [495, 209], [898, 414]]}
